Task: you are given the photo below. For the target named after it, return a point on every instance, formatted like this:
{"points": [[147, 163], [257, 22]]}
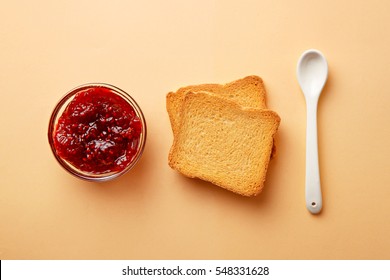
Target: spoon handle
{"points": [[313, 186]]}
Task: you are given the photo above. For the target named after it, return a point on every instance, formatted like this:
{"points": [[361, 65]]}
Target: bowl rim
{"points": [[56, 113]]}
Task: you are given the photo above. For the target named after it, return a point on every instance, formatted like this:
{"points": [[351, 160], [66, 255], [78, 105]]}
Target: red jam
{"points": [[98, 132]]}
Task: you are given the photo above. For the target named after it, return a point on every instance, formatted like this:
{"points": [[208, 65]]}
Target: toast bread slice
{"points": [[224, 143]]}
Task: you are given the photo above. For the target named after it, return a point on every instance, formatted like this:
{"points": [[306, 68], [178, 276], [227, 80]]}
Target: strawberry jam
{"points": [[98, 132]]}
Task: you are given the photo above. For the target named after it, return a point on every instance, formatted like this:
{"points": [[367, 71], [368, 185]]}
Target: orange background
{"points": [[151, 48]]}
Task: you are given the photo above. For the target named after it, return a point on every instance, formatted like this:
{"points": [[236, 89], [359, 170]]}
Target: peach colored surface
{"points": [[149, 49]]}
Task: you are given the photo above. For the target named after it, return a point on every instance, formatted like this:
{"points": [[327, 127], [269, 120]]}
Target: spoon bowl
{"points": [[312, 73]]}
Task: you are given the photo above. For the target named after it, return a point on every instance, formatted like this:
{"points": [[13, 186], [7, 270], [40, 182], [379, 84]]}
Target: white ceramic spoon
{"points": [[312, 72]]}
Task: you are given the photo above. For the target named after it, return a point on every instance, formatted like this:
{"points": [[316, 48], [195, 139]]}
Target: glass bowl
{"points": [[132, 156]]}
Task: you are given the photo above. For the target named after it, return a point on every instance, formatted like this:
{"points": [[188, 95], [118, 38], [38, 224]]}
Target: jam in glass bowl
{"points": [[97, 132]]}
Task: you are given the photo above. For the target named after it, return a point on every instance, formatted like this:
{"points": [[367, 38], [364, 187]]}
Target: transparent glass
{"points": [[59, 109]]}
